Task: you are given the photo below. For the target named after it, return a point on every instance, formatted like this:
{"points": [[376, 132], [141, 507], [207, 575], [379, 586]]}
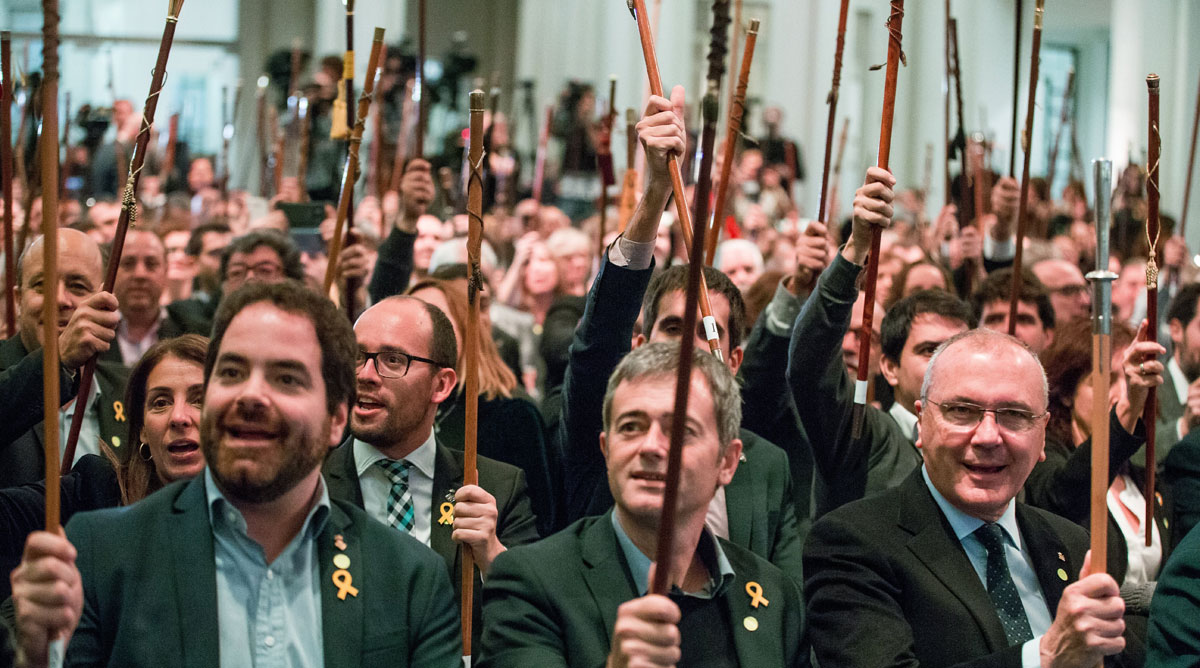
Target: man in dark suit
{"points": [[848, 468], [580, 598], [406, 356], [243, 565], [141, 280], [1177, 410], [756, 510], [1174, 637], [948, 569], [87, 320]]}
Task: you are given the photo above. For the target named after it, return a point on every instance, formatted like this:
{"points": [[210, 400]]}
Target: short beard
{"points": [[294, 468]]}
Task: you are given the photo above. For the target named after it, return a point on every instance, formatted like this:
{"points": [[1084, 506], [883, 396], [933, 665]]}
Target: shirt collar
{"points": [[904, 418], [422, 459], [711, 555], [963, 524], [123, 327], [1180, 380], [222, 512]]}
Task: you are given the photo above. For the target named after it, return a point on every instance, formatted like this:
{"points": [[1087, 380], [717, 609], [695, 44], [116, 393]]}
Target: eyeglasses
{"points": [[263, 270], [391, 363], [968, 416], [1070, 290]]}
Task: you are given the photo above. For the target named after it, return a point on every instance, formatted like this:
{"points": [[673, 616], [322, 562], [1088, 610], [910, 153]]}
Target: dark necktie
{"points": [[1000, 586]]}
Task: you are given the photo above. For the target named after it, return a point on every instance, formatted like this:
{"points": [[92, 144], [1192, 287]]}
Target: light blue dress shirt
{"points": [[720, 570], [268, 614], [1019, 566]]}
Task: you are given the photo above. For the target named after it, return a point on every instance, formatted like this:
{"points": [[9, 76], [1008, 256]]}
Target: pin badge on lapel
{"points": [[755, 591], [119, 410], [1062, 575], [750, 623], [447, 513], [1061, 557], [341, 577], [339, 542]]}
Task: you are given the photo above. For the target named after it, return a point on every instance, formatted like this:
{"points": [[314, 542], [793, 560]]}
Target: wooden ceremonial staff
{"points": [[736, 111], [1187, 189], [835, 179], [261, 126], [406, 124], [638, 8], [128, 216], [419, 89], [169, 154], [30, 178], [471, 341], [1026, 138], [709, 112], [629, 183], [305, 139], [539, 165], [66, 143], [49, 169], [1102, 280], [1012, 154], [604, 160], [6, 176], [1152, 232], [946, 103], [1063, 118], [226, 139], [351, 238], [350, 173], [885, 147]]}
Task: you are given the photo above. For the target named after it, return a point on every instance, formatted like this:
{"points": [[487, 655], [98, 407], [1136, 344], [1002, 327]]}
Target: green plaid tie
{"points": [[400, 513]]}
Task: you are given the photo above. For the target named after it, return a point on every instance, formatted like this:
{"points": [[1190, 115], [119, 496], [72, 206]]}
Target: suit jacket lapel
{"points": [[740, 502], [1044, 547], [605, 570], [341, 618], [341, 474], [935, 544], [195, 575], [447, 475]]}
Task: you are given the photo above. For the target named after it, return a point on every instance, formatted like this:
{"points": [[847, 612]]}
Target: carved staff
{"points": [[832, 101], [168, 164], [407, 123], [305, 141], [49, 169], [1012, 154], [733, 53], [604, 160], [629, 183], [350, 173], [30, 178], [1187, 189], [351, 238], [959, 141], [1026, 137], [1101, 280], [947, 82], [638, 8], [709, 112], [471, 341], [226, 140], [261, 126], [539, 165], [836, 177], [419, 87], [1064, 118], [885, 148], [6, 177], [737, 111], [128, 213], [1154, 256]]}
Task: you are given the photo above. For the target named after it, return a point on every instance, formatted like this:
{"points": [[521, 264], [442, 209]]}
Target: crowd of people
{"points": [[270, 476]]}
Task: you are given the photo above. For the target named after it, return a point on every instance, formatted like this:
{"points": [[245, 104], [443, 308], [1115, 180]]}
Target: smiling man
{"points": [[948, 569], [579, 598], [251, 562]]}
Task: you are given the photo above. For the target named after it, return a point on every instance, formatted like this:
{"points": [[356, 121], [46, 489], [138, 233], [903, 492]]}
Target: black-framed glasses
{"points": [[391, 363], [968, 415]]}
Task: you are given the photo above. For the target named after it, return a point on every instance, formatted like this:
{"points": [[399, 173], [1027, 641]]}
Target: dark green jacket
{"points": [[1174, 636], [553, 604], [150, 589]]}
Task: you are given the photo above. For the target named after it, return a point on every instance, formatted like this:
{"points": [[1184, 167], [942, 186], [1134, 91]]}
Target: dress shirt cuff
{"points": [[999, 251], [1031, 654], [634, 255], [782, 311]]}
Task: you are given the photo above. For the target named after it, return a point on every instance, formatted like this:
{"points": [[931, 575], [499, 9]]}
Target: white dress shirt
{"points": [[376, 484]]}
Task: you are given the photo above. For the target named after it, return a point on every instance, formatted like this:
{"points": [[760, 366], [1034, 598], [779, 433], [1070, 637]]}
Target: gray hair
{"points": [[454, 251], [981, 338], [662, 359], [735, 244]]}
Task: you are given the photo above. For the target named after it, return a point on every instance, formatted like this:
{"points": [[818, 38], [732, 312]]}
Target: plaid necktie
{"points": [[1001, 588], [400, 512]]}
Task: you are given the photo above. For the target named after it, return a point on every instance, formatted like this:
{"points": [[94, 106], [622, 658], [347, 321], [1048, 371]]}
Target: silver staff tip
{"points": [[477, 98], [754, 23]]}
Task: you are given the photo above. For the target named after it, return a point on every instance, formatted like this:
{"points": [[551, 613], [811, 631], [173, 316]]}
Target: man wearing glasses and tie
{"points": [[948, 568], [393, 466]]}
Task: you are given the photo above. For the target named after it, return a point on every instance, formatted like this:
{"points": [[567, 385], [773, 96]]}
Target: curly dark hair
{"points": [[1068, 361]]}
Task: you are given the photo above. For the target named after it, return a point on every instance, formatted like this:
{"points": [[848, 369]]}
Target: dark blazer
{"points": [[888, 583], [21, 385], [150, 592], [845, 469], [515, 522], [22, 459], [554, 603], [1060, 484], [181, 318], [1174, 636], [759, 499], [1181, 473]]}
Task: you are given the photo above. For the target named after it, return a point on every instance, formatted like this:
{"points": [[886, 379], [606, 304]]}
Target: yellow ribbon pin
{"points": [[119, 409], [447, 511], [341, 578], [755, 590]]}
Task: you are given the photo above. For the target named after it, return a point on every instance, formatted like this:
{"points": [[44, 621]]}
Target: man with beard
{"points": [[141, 280], [242, 565], [396, 469], [1179, 398]]}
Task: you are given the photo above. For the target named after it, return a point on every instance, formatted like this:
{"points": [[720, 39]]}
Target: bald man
{"points": [[87, 321], [1069, 292]]}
